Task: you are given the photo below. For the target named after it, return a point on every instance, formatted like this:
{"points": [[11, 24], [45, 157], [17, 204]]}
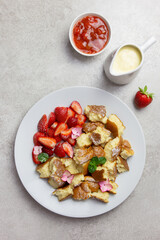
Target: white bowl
{"points": [[77, 19]]}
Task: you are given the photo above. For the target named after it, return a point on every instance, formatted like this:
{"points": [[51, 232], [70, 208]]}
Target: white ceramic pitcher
{"points": [[126, 77]]}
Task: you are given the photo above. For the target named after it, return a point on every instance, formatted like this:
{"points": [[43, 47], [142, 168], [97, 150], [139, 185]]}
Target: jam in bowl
{"points": [[90, 34]]}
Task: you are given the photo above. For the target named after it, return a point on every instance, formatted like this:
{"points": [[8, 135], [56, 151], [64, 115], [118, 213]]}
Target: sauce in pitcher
{"points": [[127, 59]]}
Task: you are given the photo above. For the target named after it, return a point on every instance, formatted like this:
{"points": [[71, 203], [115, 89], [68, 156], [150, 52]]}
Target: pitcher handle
{"points": [[148, 44]]}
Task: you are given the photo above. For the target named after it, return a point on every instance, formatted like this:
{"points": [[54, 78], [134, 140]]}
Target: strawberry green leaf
{"points": [[141, 90], [145, 89], [151, 95]]}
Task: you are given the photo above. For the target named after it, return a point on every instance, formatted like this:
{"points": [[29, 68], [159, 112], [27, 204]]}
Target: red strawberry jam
{"points": [[90, 34]]}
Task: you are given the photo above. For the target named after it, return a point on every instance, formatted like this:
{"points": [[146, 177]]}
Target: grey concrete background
{"points": [[36, 59]]}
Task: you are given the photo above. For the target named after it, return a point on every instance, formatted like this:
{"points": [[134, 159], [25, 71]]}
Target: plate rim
{"points": [[46, 96]]}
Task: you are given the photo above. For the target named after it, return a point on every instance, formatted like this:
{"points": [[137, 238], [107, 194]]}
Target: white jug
{"points": [[125, 77]]}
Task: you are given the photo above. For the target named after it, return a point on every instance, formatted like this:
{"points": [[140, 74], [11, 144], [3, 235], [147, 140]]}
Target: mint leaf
{"points": [[94, 160], [101, 160], [92, 167], [43, 157]]}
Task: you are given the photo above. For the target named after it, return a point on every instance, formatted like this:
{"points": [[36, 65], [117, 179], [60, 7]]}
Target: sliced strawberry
{"points": [[71, 141], [76, 107], [61, 127], [52, 119], [36, 137], [48, 151], [35, 159], [58, 138], [35, 152], [59, 150], [50, 132], [54, 125], [61, 113], [81, 119], [70, 113], [66, 134], [48, 142], [43, 124], [68, 149], [72, 122]]}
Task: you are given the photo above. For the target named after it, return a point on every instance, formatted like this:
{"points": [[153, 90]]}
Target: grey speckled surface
{"points": [[36, 59]]}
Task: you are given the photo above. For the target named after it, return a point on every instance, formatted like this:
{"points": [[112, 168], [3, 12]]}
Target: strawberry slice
{"points": [[58, 138], [76, 107], [71, 113], [61, 127], [50, 132], [35, 159], [48, 151], [59, 150], [35, 152], [71, 141], [54, 125], [48, 142], [66, 134], [72, 122], [68, 149], [52, 119], [61, 113], [81, 119], [36, 136], [43, 124]]}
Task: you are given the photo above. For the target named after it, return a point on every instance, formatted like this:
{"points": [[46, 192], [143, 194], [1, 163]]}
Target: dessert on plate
{"points": [[81, 154]]}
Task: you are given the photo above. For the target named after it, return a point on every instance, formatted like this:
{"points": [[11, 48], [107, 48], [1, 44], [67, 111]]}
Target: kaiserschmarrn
{"points": [[99, 155]]}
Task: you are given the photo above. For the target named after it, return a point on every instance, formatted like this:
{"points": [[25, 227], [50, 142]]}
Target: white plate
{"points": [[40, 190]]}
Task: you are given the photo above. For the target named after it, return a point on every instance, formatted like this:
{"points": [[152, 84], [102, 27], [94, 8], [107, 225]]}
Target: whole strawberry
{"points": [[143, 98]]}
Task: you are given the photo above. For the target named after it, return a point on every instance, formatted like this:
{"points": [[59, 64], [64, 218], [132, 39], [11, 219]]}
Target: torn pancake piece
{"points": [[115, 125], [82, 155], [43, 169], [98, 151], [90, 186], [126, 151], [122, 165], [112, 149], [63, 193], [96, 113], [77, 180], [84, 140], [102, 196], [114, 189], [80, 194], [100, 136], [91, 126]]}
